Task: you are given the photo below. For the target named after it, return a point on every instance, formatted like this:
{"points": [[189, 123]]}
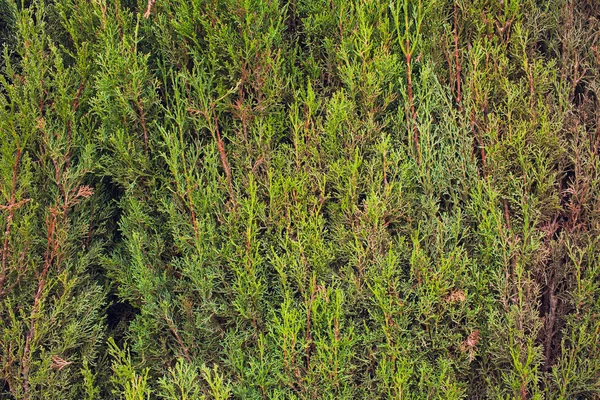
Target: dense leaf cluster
{"points": [[299, 199]]}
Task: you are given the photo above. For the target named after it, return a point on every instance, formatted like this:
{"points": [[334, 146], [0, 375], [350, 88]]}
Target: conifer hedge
{"points": [[302, 199]]}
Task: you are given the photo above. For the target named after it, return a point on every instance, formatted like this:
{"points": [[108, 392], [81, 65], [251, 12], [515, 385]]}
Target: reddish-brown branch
{"points": [[480, 144], [22, 257], [223, 155], [220, 148], [149, 8], [51, 250], [11, 207], [506, 214], [308, 336], [193, 214], [550, 323], [58, 214], [457, 59], [513, 258], [143, 122], [531, 87], [175, 333], [411, 102], [523, 389]]}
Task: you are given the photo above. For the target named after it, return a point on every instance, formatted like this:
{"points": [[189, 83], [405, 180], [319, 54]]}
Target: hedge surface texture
{"points": [[301, 199]]}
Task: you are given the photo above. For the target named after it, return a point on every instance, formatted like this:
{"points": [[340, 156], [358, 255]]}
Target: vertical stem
{"points": [[223, 155], [51, 250], [457, 59], [413, 113], [11, 210], [142, 115]]}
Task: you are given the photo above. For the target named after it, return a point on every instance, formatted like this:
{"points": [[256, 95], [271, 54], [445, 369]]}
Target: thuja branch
{"points": [[56, 220], [10, 207], [213, 125], [457, 59], [223, 155], [408, 37]]}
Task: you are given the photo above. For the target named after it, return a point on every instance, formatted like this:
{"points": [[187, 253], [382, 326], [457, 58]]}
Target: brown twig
{"points": [[480, 144], [52, 250], [457, 59], [506, 214], [149, 9], [70, 123], [223, 155], [411, 102], [308, 336], [550, 322], [143, 122], [175, 333], [11, 207]]}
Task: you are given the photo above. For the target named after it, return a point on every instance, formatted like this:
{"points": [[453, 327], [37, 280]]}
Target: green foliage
{"points": [[6, 24], [299, 199]]}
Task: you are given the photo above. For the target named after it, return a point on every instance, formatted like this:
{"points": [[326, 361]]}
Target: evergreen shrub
{"points": [[303, 199]]}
